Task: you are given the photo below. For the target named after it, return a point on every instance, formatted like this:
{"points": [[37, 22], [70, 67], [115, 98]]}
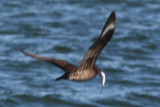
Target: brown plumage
{"points": [[87, 69]]}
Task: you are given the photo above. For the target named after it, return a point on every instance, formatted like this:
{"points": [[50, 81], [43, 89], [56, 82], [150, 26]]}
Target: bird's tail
{"points": [[64, 76]]}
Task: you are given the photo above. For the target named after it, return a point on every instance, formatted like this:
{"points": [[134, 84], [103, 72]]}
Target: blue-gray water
{"points": [[65, 29]]}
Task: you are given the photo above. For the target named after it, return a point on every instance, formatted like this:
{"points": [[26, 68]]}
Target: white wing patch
{"points": [[109, 27]]}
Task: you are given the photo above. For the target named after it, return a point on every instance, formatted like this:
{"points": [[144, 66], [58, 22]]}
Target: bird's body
{"points": [[82, 75], [87, 69]]}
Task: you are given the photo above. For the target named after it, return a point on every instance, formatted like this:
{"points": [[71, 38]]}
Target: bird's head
{"points": [[102, 74]]}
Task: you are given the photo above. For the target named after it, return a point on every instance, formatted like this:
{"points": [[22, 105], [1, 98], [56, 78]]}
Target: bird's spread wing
{"points": [[96, 48], [66, 66]]}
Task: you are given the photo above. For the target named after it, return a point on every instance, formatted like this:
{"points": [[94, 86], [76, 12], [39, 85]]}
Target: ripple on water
{"points": [[63, 49], [41, 100], [117, 102]]}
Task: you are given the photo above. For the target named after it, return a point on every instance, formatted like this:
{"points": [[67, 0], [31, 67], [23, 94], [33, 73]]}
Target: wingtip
{"points": [[25, 53], [113, 13], [110, 24], [21, 50], [112, 17]]}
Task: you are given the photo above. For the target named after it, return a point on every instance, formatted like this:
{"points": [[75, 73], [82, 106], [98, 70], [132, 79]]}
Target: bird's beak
{"points": [[103, 78]]}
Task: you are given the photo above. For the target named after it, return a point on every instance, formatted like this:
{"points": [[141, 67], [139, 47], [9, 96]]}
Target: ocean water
{"points": [[65, 29]]}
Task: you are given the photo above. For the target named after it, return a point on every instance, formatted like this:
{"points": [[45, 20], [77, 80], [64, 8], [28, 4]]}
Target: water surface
{"points": [[65, 29]]}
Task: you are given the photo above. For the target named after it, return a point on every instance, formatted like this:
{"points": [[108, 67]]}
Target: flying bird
{"points": [[87, 69]]}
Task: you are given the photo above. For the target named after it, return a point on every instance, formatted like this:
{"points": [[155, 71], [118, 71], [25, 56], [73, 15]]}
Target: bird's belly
{"points": [[82, 76]]}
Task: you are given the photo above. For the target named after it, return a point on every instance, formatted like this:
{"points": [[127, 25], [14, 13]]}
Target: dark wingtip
{"points": [[29, 54], [113, 14], [110, 24], [112, 17], [21, 50]]}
